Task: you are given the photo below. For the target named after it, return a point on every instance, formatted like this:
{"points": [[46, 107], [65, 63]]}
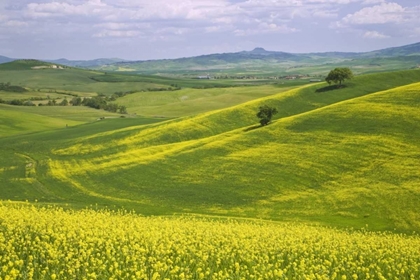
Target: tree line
{"points": [[97, 102], [11, 88]]}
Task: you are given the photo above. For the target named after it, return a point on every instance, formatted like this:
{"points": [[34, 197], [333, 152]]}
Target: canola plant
{"points": [[53, 243]]}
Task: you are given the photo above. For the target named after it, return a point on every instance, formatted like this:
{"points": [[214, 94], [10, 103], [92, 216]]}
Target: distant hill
{"points": [[342, 157], [260, 62], [408, 50], [71, 63], [26, 64], [87, 63], [4, 59]]}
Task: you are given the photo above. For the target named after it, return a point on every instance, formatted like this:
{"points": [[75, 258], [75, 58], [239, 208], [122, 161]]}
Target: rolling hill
{"points": [[344, 157], [4, 59], [259, 62]]}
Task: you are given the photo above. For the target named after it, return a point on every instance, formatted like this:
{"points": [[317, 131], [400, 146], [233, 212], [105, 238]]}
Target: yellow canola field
{"points": [[52, 243]]}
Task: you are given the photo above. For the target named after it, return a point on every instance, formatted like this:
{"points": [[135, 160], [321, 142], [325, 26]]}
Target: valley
{"points": [[186, 184]]}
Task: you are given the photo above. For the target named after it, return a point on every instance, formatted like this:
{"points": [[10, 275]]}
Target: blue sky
{"points": [[155, 29]]}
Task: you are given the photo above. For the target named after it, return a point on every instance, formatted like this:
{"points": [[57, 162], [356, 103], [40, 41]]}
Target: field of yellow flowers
{"points": [[52, 243]]}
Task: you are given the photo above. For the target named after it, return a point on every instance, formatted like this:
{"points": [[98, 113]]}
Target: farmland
{"points": [[187, 185], [50, 243], [323, 160]]}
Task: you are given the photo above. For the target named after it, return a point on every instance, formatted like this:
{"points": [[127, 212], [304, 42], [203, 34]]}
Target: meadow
{"points": [[192, 101], [344, 157], [181, 190], [52, 243], [152, 97], [87, 82]]}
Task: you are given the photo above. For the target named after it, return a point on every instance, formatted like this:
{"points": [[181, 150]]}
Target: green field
{"points": [[188, 185], [191, 101], [340, 157], [87, 82], [150, 96]]}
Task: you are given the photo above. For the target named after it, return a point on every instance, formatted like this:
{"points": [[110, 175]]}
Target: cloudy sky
{"points": [[154, 29]]}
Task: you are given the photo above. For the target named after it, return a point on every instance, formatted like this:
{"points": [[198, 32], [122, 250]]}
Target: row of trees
{"points": [[17, 102], [8, 87], [99, 102], [96, 102]]}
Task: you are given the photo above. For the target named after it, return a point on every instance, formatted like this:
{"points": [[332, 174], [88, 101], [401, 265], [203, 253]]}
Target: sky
{"points": [[166, 29]]}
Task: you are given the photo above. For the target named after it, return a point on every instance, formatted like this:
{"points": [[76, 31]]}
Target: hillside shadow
{"points": [[330, 88], [252, 128]]}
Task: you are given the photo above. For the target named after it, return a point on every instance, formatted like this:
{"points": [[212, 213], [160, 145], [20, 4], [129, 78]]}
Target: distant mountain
{"points": [[73, 63], [259, 62], [27, 64], [211, 62], [87, 63], [4, 59], [413, 49], [257, 59], [262, 62]]}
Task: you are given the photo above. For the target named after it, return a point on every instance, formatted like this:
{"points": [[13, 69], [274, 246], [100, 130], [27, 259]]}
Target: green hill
{"points": [[260, 62], [17, 121], [25, 64], [342, 157]]}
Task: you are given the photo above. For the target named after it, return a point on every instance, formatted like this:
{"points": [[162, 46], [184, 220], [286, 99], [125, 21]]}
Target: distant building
{"points": [[204, 77]]}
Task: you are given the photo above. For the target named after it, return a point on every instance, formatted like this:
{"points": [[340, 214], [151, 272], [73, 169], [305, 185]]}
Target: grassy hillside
{"points": [[73, 80], [14, 121], [69, 79], [190, 101], [156, 96], [343, 157], [27, 119]]}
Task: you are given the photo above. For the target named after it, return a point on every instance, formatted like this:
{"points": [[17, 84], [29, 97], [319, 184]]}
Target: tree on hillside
{"points": [[265, 114], [122, 109], [76, 101], [64, 102], [339, 75]]}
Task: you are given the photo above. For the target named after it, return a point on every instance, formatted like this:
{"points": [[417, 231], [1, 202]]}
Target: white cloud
{"points": [[230, 22], [264, 28], [371, 2], [117, 33], [375, 35], [379, 14], [59, 9], [325, 13], [16, 23]]}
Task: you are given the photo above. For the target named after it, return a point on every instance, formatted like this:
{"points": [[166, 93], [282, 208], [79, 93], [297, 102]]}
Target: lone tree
{"points": [[265, 114], [339, 75]]}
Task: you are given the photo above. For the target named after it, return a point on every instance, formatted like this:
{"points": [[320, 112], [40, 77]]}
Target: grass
{"points": [[15, 121], [32, 95], [82, 82], [68, 82], [28, 119], [191, 101], [346, 157]]}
